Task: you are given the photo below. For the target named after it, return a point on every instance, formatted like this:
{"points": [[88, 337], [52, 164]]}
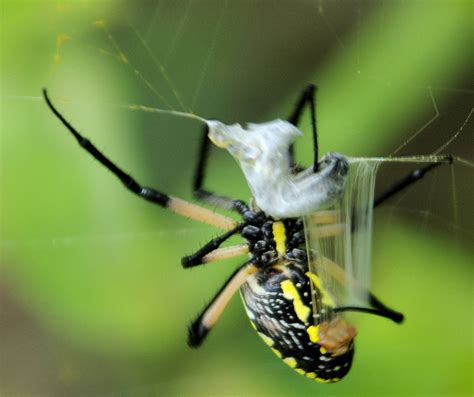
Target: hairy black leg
{"points": [[199, 175], [408, 180], [390, 314], [306, 98], [200, 327], [411, 178], [174, 204], [385, 310], [131, 184], [196, 258]]}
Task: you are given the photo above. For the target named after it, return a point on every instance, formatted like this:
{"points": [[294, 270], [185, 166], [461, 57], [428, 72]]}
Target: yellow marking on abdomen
{"points": [[322, 380], [291, 293], [313, 333], [276, 352], [290, 361], [315, 279], [268, 341], [279, 235], [326, 298]]}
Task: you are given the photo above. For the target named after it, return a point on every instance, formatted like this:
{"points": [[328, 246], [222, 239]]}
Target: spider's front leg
{"points": [[174, 204], [307, 98]]}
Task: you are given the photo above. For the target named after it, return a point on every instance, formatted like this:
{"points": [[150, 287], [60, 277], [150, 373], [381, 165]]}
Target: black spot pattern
{"points": [[274, 316]]}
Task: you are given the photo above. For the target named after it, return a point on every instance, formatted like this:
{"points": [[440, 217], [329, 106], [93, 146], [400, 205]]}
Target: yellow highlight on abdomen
{"points": [[313, 333], [291, 293], [279, 235]]}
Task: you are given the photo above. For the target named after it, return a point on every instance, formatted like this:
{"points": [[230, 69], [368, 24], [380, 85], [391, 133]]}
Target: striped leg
{"points": [[174, 204], [196, 259], [199, 328]]}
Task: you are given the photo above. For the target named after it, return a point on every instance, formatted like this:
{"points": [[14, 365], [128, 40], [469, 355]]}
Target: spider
{"points": [[276, 284]]}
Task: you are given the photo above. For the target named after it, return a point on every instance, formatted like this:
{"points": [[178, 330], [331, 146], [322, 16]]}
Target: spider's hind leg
{"points": [[196, 259], [384, 310], [199, 328]]}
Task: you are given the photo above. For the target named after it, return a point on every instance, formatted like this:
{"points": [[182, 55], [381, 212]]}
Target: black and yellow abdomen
{"points": [[278, 300]]}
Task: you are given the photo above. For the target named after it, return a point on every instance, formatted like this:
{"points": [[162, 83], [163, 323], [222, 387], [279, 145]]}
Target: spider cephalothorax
{"points": [[286, 301], [268, 239]]}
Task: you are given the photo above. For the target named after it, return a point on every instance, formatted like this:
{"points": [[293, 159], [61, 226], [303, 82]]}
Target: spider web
{"points": [[111, 68]]}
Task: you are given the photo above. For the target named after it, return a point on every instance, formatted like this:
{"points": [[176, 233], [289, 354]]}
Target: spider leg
{"points": [[172, 203], [197, 258], [414, 176], [408, 180], [306, 98], [226, 253], [385, 311], [341, 277], [199, 328], [205, 195], [390, 314], [397, 187]]}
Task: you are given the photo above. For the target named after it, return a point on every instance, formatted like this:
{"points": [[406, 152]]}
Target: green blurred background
{"points": [[93, 297]]}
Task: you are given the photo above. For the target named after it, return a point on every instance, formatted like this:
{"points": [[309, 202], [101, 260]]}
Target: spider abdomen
{"points": [[278, 301]]}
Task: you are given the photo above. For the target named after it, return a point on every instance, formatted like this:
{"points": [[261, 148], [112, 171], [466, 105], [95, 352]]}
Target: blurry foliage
{"points": [[94, 300]]}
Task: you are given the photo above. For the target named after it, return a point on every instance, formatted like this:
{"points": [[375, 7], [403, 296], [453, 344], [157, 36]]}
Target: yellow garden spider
{"points": [[278, 288]]}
